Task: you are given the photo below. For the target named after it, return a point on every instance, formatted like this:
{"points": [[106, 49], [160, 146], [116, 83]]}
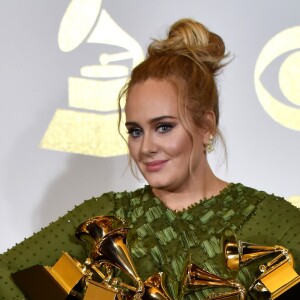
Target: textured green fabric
{"points": [[163, 240]]}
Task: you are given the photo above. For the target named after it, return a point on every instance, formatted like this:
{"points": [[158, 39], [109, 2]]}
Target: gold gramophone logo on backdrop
{"points": [[287, 41], [90, 125]]}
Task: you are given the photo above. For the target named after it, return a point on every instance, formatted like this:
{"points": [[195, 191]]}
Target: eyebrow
{"points": [[154, 120]]}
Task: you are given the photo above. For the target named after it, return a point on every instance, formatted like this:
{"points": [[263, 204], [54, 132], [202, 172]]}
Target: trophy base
{"points": [[58, 282], [291, 294], [97, 290], [36, 283], [281, 283]]}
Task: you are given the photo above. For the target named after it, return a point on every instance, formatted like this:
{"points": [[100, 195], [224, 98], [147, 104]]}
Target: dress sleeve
{"points": [[46, 246], [274, 222]]}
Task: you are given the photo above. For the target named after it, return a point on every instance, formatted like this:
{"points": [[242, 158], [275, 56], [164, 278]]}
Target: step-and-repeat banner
{"points": [[63, 63]]}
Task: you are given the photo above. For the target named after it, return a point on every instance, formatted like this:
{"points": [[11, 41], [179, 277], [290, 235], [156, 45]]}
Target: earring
{"points": [[209, 144]]}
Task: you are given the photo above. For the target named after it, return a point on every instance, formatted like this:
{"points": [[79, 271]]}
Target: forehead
{"points": [[152, 97]]}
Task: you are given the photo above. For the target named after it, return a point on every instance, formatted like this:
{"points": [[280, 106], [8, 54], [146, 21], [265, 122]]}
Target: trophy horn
{"points": [[197, 277], [155, 289], [94, 229], [114, 251], [238, 253]]}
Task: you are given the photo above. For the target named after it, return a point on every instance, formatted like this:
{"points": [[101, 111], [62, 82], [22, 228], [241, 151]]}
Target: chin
{"points": [[157, 184], [157, 180], [153, 182]]}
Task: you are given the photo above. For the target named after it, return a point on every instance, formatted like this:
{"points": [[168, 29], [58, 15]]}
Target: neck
{"points": [[196, 191]]}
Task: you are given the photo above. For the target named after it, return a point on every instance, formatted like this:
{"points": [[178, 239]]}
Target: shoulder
{"points": [[115, 203], [273, 221], [272, 216], [242, 192], [259, 206]]}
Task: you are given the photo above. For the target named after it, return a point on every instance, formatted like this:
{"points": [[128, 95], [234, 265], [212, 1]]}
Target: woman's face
{"points": [[158, 142]]}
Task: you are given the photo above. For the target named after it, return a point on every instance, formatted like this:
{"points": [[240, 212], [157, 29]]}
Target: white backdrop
{"points": [[48, 165]]}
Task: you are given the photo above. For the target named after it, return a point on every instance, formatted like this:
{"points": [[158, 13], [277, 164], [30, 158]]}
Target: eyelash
{"points": [[136, 132], [166, 125], [133, 131]]}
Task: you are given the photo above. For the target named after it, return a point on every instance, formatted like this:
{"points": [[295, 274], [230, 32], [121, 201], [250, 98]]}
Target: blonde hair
{"points": [[189, 57]]}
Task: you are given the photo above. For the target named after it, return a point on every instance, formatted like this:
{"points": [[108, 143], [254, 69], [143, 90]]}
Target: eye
{"points": [[163, 128], [134, 132]]}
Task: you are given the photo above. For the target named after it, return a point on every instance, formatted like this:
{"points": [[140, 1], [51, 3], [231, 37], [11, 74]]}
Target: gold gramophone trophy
{"points": [[96, 279], [65, 280], [68, 278], [277, 279], [109, 255], [198, 278]]}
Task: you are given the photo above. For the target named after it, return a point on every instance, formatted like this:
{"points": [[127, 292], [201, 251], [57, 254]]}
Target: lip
{"points": [[155, 166]]}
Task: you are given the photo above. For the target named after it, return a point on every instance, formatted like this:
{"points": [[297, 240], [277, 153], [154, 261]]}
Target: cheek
{"points": [[132, 148], [182, 145]]}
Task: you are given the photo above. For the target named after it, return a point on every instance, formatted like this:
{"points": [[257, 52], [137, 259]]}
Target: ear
{"points": [[209, 125]]}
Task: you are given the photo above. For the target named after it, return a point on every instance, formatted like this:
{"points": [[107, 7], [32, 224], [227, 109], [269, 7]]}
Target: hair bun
{"points": [[192, 39]]}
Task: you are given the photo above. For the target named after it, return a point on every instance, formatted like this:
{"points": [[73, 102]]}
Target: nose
{"points": [[148, 145]]}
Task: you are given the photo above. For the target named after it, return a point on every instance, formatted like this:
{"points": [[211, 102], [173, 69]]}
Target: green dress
{"points": [[161, 240]]}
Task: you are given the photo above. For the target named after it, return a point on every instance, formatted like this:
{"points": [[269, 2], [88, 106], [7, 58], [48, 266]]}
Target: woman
{"points": [[172, 116]]}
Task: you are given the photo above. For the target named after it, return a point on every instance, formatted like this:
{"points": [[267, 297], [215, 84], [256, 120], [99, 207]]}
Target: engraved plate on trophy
{"points": [[67, 272]]}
